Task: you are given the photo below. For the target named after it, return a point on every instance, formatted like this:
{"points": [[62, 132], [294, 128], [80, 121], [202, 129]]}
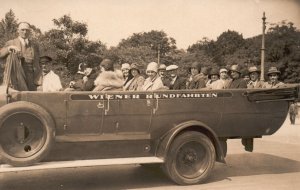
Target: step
{"points": [[81, 163]]}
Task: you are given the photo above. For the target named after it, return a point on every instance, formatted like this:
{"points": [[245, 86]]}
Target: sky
{"points": [[188, 21]]}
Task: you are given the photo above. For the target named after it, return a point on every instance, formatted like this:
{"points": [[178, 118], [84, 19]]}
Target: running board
{"points": [[81, 163]]}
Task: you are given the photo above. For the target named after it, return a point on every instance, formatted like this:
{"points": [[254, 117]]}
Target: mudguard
{"points": [[167, 139]]}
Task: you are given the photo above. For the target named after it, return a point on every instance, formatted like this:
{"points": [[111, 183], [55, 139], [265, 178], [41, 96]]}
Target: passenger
{"points": [[293, 112], [223, 82], [137, 81], [254, 82], [77, 82], [50, 82], [26, 70], [273, 82], [213, 76], [162, 73], [195, 81], [126, 74], [237, 81], [90, 75], [82, 67], [109, 79], [204, 74], [153, 82], [246, 76], [177, 82]]}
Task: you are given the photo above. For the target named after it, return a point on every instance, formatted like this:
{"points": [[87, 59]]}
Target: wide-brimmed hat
{"points": [[273, 70], [107, 64], [196, 65], [152, 67], [213, 71], [125, 66], [253, 69], [135, 66], [204, 70], [171, 67], [162, 67], [235, 68]]}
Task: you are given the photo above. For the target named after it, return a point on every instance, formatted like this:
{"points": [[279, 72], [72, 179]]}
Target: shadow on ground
{"points": [[136, 176]]}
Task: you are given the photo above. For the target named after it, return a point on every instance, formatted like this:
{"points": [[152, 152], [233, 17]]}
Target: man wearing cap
{"points": [[153, 82], [50, 81], [223, 82], [235, 74], [27, 54], [176, 82], [254, 82], [273, 74], [162, 73]]}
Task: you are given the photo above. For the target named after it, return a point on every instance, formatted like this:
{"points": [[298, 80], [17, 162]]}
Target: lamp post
{"points": [[262, 74]]}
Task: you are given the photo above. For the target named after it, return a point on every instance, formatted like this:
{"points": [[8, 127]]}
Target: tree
{"points": [[68, 41], [157, 41], [8, 27]]}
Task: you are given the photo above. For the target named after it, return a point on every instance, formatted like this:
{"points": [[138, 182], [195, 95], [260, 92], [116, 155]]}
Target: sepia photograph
{"points": [[140, 94]]}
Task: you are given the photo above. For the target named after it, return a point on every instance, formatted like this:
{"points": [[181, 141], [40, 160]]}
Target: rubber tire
{"points": [[48, 127], [170, 166]]}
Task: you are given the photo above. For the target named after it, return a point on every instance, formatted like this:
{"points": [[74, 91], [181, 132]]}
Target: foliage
{"points": [[70, 44], [67, 43], [8, 27]]}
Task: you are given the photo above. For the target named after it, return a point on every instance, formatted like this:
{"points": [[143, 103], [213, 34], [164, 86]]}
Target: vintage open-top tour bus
{"points": [[185, 131]]}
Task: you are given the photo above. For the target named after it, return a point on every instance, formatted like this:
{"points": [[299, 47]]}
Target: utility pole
{"points": [[158, 54], [262, 63]]}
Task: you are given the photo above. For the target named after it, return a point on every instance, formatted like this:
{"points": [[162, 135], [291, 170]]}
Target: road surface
{"points": [[274, 164]]}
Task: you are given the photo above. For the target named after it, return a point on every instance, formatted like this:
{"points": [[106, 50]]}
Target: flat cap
{"points": [[171, 67]]}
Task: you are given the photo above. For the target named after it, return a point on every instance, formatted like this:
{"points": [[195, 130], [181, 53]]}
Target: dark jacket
{"points": [[238, 83], [196, 82], [89, 84], [180, 83], [32, 54]]}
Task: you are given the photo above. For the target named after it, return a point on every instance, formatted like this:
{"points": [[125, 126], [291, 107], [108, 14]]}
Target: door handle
{"points": [[156, 106], [107, 108]]}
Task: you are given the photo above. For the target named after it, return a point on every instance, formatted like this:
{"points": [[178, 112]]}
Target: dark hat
{"points": [[135, 66], [196, 65], [236, 68], [45, 59], [162, 67], [253, 69], [204, 70], [214, 71], [273, 70], [107, 64]]}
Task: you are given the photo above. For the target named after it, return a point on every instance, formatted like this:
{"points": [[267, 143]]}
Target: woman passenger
{"points": [[153, 82], [196, 80], [108, 79], [137, 81]]}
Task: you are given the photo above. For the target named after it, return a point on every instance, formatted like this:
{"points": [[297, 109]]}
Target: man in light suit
{"points": [[28, 54], [254, 82]]}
